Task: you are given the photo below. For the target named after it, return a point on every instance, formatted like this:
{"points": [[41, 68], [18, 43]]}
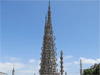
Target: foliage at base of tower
{"points": [[93, 70]]}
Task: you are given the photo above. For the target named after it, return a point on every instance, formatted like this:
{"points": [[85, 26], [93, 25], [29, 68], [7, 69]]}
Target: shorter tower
{"points": [[13, 71], [61, 58], [80, 67], [65, 73]]}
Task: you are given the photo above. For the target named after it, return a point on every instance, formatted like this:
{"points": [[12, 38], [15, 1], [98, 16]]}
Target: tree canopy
{"points": [[93, 70]]}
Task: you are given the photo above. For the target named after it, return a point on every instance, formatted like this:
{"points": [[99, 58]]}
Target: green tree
{"points": [[93, 70], [97, 70], [88, 72]]}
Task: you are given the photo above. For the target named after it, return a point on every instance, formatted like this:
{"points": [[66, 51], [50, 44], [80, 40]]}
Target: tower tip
{"points": [[45, 17], [61, 52], [49, 4], [80, 60], [49, 1], [13, 68]]}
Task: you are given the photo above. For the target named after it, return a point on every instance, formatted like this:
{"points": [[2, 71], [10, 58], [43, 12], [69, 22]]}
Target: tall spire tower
{"points": [[80, 67], [61, 58], [13, 71], [65, 73], [48, 65]]}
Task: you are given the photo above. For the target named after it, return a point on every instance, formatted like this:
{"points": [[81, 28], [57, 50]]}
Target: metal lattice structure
{"points": [[48, 65]]}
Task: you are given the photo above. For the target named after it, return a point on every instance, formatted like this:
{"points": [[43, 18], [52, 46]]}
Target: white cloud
{"points": [[67, 64], [21, 68], [11, 58], [76, 62], [31, 61], [65, 69], [19, 65], [30, 70], [6, 67], [39, 61], [64, 59], [68, 57], [26, 71], [98, 60], [89, 61]]}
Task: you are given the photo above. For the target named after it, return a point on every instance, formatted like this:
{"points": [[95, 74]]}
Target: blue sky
{"points": [[75, 25]]}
